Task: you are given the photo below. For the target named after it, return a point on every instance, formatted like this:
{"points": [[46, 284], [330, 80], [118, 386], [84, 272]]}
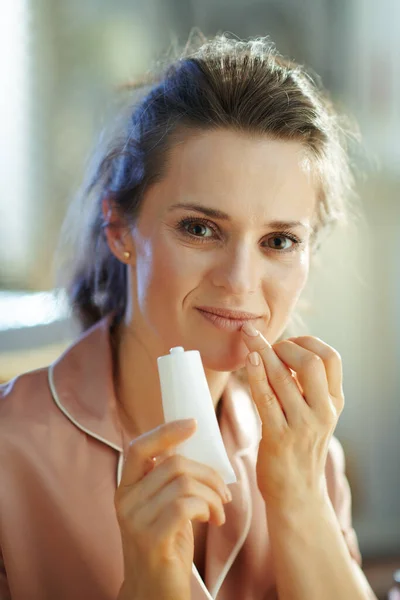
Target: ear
{"points": [[116, 232]]}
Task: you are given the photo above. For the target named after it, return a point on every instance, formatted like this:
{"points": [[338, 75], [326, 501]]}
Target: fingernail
{"points": [[186, 423], [249, 329], [254, 358], [228, 494]]}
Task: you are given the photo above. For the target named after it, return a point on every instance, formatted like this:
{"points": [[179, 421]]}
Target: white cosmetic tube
{"points": [[186, 395]]}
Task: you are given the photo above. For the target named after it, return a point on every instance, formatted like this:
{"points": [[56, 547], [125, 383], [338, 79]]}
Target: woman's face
{"points": [[185, 259]]}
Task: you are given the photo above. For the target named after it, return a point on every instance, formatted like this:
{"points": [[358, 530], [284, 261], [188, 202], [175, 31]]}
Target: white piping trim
{"points": [[64, 410], [119, 468], [239, 454], [240, 542], [246, 529], [71, 418], [201, 582]]}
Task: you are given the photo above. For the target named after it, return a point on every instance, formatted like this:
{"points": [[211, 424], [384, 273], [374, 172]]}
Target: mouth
{"points": [[227, 323], [229, 314]]}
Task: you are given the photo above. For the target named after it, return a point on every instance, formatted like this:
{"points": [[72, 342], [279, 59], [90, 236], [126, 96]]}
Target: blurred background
{"points": [[61, 64]]}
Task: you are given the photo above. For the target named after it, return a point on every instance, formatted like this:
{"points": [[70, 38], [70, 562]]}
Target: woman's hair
{"points": [[222, 83]]}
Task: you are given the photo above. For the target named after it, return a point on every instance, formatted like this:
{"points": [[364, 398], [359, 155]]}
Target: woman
{"points": [[231, 150]]}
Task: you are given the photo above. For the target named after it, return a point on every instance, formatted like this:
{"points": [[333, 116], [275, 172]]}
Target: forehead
{"points": [[246, 176]]}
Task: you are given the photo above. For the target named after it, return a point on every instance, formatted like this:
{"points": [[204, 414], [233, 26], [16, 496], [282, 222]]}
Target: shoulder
{"points": [[26, 410], [20, 396]]}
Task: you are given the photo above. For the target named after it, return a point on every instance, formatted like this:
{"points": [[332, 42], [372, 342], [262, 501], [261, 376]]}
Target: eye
{"points": [[195, 228], [277, 246]]}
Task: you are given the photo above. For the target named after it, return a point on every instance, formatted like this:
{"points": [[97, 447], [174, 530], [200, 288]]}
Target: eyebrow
{"points": [[223, 216]]}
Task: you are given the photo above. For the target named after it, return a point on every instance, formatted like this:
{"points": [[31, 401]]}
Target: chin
{"points": [[222, 358]]}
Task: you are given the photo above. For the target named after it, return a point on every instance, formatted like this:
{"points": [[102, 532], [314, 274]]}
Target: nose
{"points": [[238, 270]]}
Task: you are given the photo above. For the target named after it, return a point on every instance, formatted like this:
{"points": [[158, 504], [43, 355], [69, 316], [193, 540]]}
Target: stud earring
{"points": [[127, 254]]}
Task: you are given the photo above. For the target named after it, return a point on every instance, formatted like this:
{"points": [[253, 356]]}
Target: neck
{"points": [[137, 384]]}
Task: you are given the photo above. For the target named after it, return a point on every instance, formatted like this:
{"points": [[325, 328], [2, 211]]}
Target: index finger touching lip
{"points": [[254, 338]]}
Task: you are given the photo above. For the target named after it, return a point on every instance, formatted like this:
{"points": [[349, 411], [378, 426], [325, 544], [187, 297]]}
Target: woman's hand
{"points": [[155, 503], [297, 388]]}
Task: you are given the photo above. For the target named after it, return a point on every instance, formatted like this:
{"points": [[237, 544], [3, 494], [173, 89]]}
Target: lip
{"points": [[222, 322], [238, 315]]}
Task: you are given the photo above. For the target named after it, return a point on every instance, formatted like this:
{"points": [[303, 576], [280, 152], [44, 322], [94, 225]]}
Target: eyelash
{"points": [[180, 226]]}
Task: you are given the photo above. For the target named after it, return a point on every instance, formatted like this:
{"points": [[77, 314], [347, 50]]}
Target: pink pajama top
{"points": [[61, 458]]}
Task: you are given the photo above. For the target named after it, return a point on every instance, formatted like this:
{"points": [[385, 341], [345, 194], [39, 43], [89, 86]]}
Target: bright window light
{"points": [[14, 135]]}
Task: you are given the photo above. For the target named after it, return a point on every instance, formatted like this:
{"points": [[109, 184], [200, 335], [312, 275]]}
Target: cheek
{"points": [[285, 286], [175, 270], [298, 277], [165, 272]]}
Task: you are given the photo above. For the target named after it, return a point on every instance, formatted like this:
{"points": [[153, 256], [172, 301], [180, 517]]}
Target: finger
{"points": [[182, 487], [178, 466], [154, 443], [331, 359], [177, 515], [310, 371], [280, 378], [268, 406]]}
